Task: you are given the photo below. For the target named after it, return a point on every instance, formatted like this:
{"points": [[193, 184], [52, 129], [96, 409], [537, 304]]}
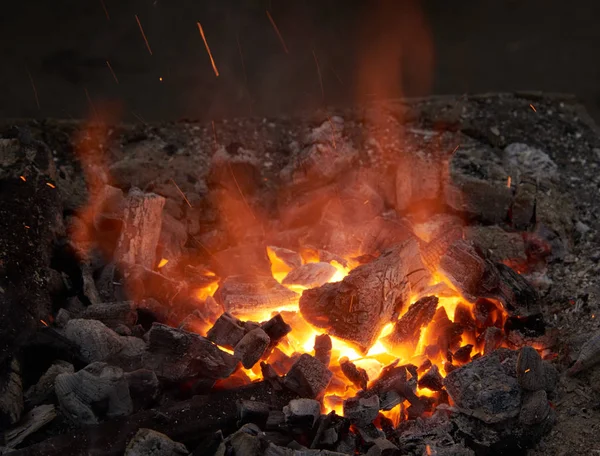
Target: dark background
{"points": [[365, 50]]}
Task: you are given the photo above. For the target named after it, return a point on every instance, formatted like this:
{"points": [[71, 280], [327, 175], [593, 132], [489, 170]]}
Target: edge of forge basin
{"points": [[219, 186]]}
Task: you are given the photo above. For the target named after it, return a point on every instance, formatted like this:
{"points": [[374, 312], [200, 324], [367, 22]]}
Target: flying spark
{"points": [[182, 194], [508, 182], [527, 370], [50, 185], [532, 107], [212, 61], [44, 323], [105, 10], [278, 33], [143, 34], [319, 73], [160, 79], [23, 178], [111, 71], [162, 263], [37, 100]]}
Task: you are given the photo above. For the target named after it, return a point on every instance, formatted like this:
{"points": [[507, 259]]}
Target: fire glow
{"points": [[381, 354]]}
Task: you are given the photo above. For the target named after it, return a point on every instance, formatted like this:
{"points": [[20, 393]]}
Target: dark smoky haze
{"points": [[60, 57]]}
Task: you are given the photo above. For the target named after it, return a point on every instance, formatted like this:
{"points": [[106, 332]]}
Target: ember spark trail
{"points": [[143, 34], [278, 33], [212, 61]]}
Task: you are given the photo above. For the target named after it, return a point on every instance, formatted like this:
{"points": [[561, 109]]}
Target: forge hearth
{"points": [[342, 287]]}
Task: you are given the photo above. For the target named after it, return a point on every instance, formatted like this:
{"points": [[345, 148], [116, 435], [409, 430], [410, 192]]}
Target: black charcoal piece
{"points": [[308, 377]]}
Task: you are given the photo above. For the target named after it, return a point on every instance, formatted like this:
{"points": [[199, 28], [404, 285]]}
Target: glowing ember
{"points": [[163, 262], [212, 61]]}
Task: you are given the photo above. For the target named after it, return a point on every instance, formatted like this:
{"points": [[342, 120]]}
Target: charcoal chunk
{"points": [[276, 328], [357, 375], [323, 348], [463, 354], [143, 387], [432, 379], [535, 408], [177, 355], [227, 331], [79, 394], [533, 373], [252, 412], [308, 377], [252, 346], [148, 442], [311, 275], [302, 412], [361, 411], [487, 387]]}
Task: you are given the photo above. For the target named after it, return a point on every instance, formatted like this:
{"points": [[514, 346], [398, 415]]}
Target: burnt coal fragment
{"points": [[492, 339], [80, 394], [311, 275], [253, 412], [463, 354], [302, 413], [477, 277], [362, 411], [276, 328], [251, 348], [357, 308], [432, 379], [148, 441], [308, 377], [177, 355], [323, 349], [357, 375], [407, 330], [533, 373], [246, 293], [535, 408], [11, 393], [487, 387], [227, 331], [144, 388], [112, 314], [383, 447]]}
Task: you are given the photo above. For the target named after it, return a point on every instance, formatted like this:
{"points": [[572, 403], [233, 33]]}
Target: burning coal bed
{"points": [[341, 326]]}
